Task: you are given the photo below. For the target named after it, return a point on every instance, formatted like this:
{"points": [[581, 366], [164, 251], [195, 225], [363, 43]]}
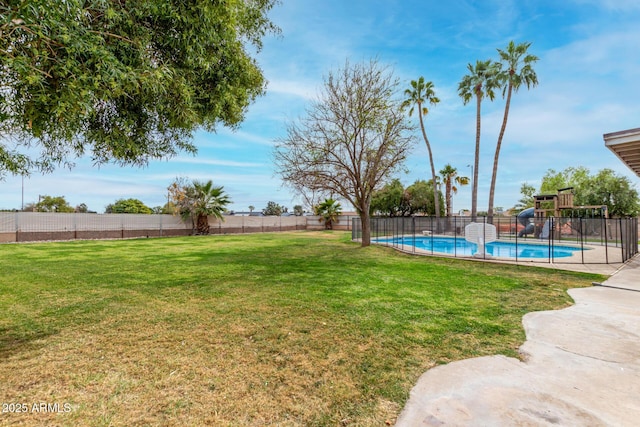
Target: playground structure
{"points": [[560, 205]]}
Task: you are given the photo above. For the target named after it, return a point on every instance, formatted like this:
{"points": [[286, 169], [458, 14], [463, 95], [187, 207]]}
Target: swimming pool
{"points": [[460, 247]]}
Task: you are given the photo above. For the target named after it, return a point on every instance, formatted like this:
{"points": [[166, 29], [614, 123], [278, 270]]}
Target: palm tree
{"points": [[329, 210], [419, 94], [204, 200], [450, 177], [517, 70], [480, 82]]}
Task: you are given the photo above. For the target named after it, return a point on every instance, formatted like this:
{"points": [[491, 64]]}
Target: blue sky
{"points": [[588, 74]]}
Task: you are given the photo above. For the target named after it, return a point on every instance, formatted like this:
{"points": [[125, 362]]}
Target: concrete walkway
{"points": [[581, 368]]}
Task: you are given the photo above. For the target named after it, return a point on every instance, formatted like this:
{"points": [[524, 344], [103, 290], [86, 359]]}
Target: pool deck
{"points": [[592, 260], [580, 366]]}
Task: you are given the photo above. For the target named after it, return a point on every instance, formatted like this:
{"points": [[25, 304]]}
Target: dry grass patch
{"points": [[281, 329]]}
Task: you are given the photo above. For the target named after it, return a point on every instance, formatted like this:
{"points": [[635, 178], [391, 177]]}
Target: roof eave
{"points": [[626, 146]]}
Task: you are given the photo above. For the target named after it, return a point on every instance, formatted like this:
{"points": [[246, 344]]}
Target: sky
{"points": [[589, 85]]}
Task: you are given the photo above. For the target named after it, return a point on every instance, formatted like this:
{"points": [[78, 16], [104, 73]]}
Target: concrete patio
{"points": [[581, 366]]}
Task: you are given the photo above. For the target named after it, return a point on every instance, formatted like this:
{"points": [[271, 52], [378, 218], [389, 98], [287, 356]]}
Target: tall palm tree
{"points": [[205, 200], [480, 82], [419, 94], [518, 70], [450, 177]]}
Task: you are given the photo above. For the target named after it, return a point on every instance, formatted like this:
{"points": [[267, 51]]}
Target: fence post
{"points": [[606, 242], [621, 238], [581, 239], [550, 234], [556, 223], [413, 227], [432, 232], [515, 228], [455, 237], [484, 237]]}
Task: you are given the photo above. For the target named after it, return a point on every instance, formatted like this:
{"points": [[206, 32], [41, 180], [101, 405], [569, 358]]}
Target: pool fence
{"points": [[593, 240]]}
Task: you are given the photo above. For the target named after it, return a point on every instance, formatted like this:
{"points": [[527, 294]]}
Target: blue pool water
{"points": [[460, 247]]}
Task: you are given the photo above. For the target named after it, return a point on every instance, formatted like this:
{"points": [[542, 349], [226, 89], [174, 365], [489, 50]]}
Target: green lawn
{"points": [[267, 329]]}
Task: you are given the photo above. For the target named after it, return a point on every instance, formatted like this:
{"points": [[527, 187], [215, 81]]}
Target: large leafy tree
{"points": [[420, 95], [451, 180], [422, 198], [553, 180], [122, 81], [517, 70], [82, 208], [395, 200], [128, 206], [53, 204], [481, 82], [614, 191], [352, 140], [391, 200], [273, 209]]}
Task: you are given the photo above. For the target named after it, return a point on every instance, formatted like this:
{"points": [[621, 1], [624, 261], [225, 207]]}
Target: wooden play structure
{"points": [[552, 212], [563, 206]]}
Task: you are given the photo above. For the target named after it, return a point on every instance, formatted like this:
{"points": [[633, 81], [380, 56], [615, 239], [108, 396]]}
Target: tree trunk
{"points": [[365, 219], [494, 175], [436, 200], [202, 226], [448, 202], [474, 191], [448, 194]]}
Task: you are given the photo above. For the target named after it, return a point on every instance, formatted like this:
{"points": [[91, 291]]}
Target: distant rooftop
{"points": [[626, 145]]}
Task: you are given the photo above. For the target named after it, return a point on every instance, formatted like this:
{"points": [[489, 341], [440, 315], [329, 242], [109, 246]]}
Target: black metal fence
{"points": [[551, 240]]}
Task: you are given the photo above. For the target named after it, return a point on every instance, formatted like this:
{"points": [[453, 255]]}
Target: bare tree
{"points": [[311, 198], [352, 139]]}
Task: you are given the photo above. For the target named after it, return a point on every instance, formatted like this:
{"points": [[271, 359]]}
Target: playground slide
{"points": [[523, 218], [528, 229]]}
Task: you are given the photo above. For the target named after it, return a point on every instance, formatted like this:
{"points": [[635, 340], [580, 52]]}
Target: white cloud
{"points": [[304, 90], [612, 5], [217, 162]]}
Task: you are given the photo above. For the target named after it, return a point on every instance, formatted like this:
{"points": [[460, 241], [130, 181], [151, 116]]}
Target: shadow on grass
{"points": [[12, 342]]}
